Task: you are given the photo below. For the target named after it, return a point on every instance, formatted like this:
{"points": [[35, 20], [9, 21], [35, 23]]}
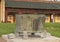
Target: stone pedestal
{"points": [[46, 39], [31, 23]]}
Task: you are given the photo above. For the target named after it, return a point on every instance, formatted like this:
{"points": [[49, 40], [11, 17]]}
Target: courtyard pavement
{"points": [[2, 40]]}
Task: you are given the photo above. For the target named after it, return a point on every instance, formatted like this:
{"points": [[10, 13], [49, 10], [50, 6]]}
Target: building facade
{"points": [[9, 8]]}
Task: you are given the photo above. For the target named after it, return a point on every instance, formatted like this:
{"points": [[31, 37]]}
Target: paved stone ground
{"points": [[34, 40], [46, 39], [2, 40]]}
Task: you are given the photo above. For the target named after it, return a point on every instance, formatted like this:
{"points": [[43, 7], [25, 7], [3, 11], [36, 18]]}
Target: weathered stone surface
{"points": [[30, 23], [47, 39]]}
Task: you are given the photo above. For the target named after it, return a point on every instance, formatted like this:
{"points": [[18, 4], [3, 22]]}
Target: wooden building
{"points": [[50, 8]]}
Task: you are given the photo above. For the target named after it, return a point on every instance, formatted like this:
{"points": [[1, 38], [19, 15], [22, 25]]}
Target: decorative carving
{"points": [[31, 23]]}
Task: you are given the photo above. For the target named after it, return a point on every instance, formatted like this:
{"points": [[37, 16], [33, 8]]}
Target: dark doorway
{"points": [[11, 17]]}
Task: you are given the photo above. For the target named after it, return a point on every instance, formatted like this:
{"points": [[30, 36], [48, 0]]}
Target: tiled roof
{"points": [[35, 5]]}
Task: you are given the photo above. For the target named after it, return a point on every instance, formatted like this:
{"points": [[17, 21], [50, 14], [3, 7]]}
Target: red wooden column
{"points": [[6, 12]]}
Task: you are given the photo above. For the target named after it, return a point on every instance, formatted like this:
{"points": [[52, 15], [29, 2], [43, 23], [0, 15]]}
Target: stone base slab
{"points": [[47, 39]]}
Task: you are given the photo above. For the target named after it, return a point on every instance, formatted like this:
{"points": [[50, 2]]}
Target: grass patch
{"points": [[6, 28], [53, 28]]}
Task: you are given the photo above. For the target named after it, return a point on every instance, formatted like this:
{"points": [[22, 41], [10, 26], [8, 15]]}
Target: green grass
{"points": [[6, 28], [53, 28]]}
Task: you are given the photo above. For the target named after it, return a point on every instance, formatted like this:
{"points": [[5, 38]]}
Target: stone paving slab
{"points": [[2, 40], [47, 39], [34, 40]]}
